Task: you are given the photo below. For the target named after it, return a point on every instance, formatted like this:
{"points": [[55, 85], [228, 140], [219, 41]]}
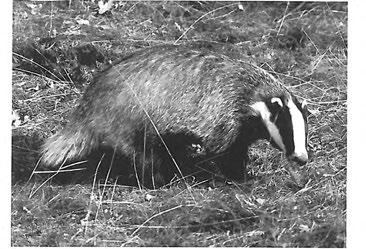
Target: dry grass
{"points": [[303, 44]]}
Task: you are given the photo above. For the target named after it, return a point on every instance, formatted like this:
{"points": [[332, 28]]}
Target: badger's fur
{"points": [[155, 104]]}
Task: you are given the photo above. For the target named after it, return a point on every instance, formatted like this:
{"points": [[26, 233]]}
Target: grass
{"points": [[58, 47]]}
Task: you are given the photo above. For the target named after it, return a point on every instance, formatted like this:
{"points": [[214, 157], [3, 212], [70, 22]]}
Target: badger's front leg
{"points": [[232, 162]]}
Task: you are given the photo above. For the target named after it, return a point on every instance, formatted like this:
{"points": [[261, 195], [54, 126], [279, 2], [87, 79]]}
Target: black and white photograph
{"points": [[179, 124]]}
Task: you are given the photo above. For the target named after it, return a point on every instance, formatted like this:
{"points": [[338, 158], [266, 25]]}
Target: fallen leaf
{"points": [[261, 201], [104, 7], [304, 228], [149, 197], [82, 22]]}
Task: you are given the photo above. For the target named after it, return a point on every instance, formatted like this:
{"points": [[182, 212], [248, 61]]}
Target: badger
{"points": [[166, 107]]}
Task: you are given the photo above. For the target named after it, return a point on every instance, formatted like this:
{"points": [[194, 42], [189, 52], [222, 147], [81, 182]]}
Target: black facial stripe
{"points": [[284, 125]]}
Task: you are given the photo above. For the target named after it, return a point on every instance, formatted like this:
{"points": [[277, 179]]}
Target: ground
{"points": [[58, 47]]}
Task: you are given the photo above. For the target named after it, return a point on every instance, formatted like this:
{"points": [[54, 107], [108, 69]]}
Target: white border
{"points": [[5, 114], [356, 125]]}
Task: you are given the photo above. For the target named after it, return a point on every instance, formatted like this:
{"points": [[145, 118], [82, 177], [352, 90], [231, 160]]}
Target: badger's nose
{"points": [[301, 159]]}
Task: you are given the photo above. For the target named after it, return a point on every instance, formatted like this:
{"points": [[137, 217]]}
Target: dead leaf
{"points": [[261, 201], [149, 197], [104, 7], [82, 22], [15, 119], [304, 228]]}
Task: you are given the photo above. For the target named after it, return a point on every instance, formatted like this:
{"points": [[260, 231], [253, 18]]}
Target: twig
{"points": [[210, 12], [339, 31], [114, 189], [54, 171], [121, 202], [47, 180], [190, 226], [91, 198], [39, 75], [44, 97], [136, 173], [317, 50], [283, 19], [35, 63], [152, 217], [104, 185]]}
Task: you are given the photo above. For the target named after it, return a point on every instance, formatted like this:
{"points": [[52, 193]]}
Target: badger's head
{"points": [[286, 122]]}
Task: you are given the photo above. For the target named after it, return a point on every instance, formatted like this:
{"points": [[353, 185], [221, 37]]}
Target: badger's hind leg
{"points": [[149, 161], [147, 168]]}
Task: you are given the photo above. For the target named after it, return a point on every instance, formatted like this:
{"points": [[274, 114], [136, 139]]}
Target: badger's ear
{"points": [[277, 101], [275, 107]]}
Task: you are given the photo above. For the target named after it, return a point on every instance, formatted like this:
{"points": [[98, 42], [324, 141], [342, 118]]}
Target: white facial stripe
{"points": [[298, 125], [262, 109]]}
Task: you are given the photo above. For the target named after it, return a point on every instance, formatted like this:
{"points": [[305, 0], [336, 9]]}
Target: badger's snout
{"points": [[300, 159]]}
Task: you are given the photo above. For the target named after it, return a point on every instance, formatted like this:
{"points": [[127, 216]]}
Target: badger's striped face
{"points": [[286, 121]]}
